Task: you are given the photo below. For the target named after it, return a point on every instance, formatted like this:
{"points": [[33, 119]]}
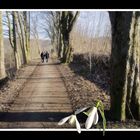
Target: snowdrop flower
{"points": [[72, 120], [92, 118]]}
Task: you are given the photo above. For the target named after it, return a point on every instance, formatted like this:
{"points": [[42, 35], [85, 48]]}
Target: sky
{"points": [[97, 21]]}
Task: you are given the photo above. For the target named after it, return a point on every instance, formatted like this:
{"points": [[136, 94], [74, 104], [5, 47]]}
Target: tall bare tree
{"points": [[2, 64], [59, 26], [50, 26], [12, 37], [68, 19], [21, 34], [125, 62], [15, 45], [26, 21]]}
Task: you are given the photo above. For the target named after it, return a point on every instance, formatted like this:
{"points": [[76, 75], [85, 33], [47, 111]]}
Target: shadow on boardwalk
{"points": [[32, 116]]}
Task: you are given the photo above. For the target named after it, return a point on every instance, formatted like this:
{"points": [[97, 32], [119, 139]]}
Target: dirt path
{"points": [[42, 102]]}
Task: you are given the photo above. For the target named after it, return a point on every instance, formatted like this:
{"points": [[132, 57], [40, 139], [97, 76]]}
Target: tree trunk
{"points": [[16, 53], [28, 34], [2, 63], [59, 44], [12, 38], [68, 20], [16, 31], [20, 38], [125, 60], [65, 47], [24, 51], [26, 29], [69, 54]]}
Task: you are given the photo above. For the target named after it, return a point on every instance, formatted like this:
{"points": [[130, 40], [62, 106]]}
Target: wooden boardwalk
{"points": [[43, 99]]}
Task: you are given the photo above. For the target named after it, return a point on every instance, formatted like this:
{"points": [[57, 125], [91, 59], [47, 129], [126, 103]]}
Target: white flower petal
{"points": [[78, 125], [61, 122], [90, 118], [72, 120], [80, 110], [96, 118]]}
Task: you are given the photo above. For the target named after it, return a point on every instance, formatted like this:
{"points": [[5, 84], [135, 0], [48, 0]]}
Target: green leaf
{"points": [[100, 107], [86, 113], [104, 120], [98, 104]]}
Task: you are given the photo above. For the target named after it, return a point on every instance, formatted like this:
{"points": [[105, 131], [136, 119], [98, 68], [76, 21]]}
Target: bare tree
{"points": [[12, 37], [2, 64], [26, 23], [50, 26], [21, 35], [58, 26], [68, 19]]}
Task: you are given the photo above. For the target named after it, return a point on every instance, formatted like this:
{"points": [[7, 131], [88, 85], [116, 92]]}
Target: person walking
{"points": [[42, 56], [47, 56]]}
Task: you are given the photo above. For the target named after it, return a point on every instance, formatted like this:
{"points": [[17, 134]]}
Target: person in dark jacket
{"points": [[42, 56], [46, 56]]}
